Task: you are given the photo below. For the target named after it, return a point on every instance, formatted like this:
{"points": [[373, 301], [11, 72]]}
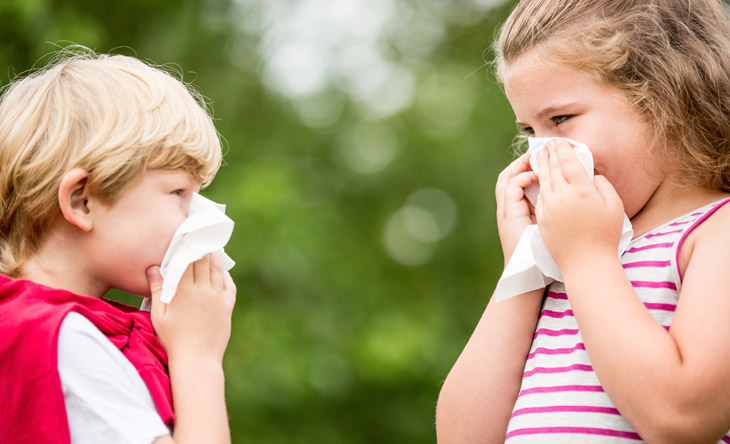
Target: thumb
{"points": [[155, 280], [608, 192]]}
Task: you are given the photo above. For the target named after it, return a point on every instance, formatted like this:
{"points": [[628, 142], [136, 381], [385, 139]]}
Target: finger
{"points": [[544, 170], [201, 270], [216, 270], [229, 291], [538, 209], [572, 170], [523, 180], [155, 280], [516, 191], [608, 193], [519, 165], [557, 176], [186, 279]]}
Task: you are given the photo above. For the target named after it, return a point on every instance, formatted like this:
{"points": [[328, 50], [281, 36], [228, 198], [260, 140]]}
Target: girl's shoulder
{"points": [[713, 221], [709, 231]]}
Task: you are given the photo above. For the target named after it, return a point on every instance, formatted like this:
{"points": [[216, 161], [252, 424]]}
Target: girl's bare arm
{"points": [[672, 386], [478, 395]]}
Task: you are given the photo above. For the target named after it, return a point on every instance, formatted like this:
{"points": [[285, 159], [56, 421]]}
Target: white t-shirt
{"points": [[106, 399]]}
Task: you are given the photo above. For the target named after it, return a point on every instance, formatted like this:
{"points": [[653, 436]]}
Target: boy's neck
{"points": [[59, 263]]}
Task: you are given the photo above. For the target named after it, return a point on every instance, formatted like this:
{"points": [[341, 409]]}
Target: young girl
{"points": [[628, 348]]}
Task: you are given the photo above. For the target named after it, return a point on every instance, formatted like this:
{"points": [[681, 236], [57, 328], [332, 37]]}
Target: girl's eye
{"points": [[179, 192], [528, 131], [557, 120]]}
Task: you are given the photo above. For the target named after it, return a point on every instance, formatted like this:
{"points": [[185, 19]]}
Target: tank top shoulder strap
{"points": [[699, 216]]}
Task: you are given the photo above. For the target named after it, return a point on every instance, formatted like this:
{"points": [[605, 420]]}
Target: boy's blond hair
{"points": [[670, 59], [111, 115]]}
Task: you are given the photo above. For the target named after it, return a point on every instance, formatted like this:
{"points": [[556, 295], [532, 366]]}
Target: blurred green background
{"points": [[363, 139]]}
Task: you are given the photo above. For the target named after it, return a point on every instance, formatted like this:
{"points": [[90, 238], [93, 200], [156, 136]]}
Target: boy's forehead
{"points": [[178, 174]]}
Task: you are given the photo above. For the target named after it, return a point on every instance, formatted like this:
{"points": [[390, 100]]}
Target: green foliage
{"points": [[356, 292]]}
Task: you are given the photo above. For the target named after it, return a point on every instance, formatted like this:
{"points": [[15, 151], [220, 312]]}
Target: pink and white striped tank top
{"points": [[561, 399]]}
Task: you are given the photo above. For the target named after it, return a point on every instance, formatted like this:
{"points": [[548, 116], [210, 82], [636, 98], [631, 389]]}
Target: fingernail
{"points": [[153, 271]]}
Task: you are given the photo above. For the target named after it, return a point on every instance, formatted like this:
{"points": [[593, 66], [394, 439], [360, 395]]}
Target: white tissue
{"points": [[207, 229], [531, 266], [537, 144]]}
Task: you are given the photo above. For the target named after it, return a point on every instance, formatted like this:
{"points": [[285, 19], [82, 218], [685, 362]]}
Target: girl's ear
{"points": [[73, 199]]}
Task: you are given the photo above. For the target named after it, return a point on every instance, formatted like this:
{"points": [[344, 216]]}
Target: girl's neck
{"points": [[670, 201]]}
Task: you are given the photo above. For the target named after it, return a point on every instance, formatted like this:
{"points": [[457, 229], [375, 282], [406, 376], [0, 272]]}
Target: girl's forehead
{"points": [[535, 72], [533, 62], [527, 76]]}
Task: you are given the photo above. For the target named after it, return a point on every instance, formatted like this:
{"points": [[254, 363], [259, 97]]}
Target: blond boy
{"points": [[99, 158]]}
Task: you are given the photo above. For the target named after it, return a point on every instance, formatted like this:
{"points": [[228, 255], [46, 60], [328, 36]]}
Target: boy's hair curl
{"points": [[670, 58], [112, 115]]}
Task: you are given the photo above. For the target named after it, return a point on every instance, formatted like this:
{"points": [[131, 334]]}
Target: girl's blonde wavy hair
{"points": [[670, 58], [111, 115]]}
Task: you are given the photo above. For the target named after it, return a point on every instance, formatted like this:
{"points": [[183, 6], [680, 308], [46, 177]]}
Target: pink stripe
{"points": [[555, 351], [689, 230], [566, 408], [548, 332], [553, 295], [650, 235], [649, 247], [680, 223], [665, 307], [556, 314], [646, 264], [561, 388], [696, 214], [649, 284], [574, 430], [726, 439], [551, 370]]}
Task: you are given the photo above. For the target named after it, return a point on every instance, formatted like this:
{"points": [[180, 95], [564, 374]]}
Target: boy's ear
{"points": [[73, 198]]}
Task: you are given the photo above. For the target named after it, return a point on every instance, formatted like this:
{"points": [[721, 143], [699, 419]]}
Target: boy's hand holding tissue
{"points": [[195, 271], [578, 219], [197, 324]]}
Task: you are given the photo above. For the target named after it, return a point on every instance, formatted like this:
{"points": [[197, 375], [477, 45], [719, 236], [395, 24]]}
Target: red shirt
{"points": [[32, 407]]}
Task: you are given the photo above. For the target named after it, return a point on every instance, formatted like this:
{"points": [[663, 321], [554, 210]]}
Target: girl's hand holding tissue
{"points": [[578, 218], [514, 211]]}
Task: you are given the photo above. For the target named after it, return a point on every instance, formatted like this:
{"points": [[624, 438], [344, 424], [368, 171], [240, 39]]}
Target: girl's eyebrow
{"points": [[554, 109], [550, 111]]}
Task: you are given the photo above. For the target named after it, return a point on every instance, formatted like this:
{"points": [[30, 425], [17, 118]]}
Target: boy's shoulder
{"points": [[37, 308]]}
